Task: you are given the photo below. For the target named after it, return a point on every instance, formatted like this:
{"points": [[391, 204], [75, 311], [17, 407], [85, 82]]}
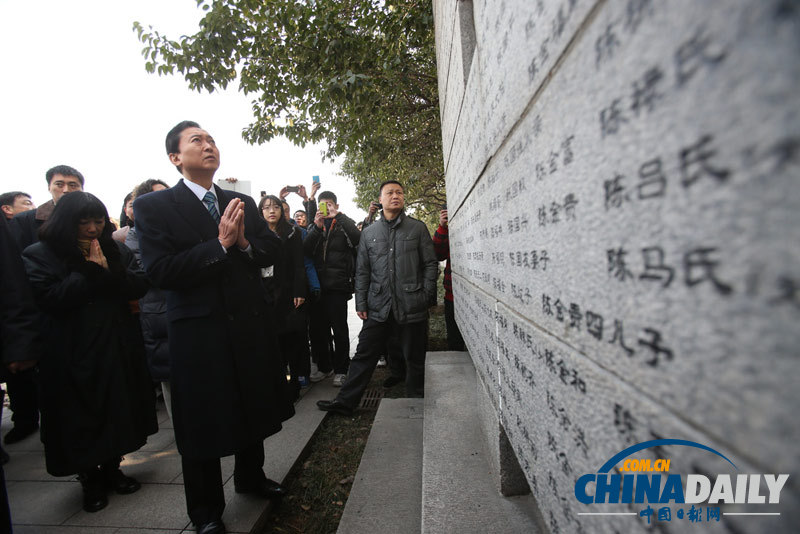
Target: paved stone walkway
{"points": [[42, 504]]}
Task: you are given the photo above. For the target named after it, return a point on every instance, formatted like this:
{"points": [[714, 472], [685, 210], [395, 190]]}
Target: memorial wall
{"points": [[624, 193]]}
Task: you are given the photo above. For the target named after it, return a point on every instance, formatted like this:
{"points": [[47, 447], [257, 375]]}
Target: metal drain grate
{"points": [[372, 398]]}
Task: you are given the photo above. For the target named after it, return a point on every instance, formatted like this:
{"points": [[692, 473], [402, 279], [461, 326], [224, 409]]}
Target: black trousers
{"points": [[202, 482], [293, 341], [454, 339], [330, 313], [413, 341]]}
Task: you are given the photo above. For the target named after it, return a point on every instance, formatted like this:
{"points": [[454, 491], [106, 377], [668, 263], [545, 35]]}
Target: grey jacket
{"points": [[396, 271]]}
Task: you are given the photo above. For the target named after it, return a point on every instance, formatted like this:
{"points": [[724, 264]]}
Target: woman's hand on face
{"points": [[96, 254]]}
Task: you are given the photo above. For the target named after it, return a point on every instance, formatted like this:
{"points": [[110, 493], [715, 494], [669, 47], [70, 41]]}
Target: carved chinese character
{"points": [[652, 181], [654, 268], [575, 316], [645, 91], [699, 267], [566, 150], [635, 12], [695, 164], [614, 191], [654, 344], [611, 118], [695, 53], [606, 45], [619, 337], [617, 266], [546, 309], [594, 324], [569, 206], [789, 292]]}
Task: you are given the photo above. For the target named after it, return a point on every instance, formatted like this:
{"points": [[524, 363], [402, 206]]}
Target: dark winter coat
{"points": [[333, 251], [97, 397], [288, 280], [229, 389], [396, 271], [19, 318], [153, 318], [25, 226]]}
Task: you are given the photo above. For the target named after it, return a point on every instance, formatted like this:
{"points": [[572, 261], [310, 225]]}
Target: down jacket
{"points": [[333, 251], [153, 318], [396, 271]]}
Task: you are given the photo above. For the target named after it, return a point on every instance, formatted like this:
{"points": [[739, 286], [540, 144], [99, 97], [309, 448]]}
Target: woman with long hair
{"points": [[97, 399], [287, 285]]}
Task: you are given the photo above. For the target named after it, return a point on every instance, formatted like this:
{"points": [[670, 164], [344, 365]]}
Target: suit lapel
{"points": [[194, 212]]}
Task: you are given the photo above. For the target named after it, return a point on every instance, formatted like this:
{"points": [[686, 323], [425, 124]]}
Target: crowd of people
{"points": [[208, 298]]}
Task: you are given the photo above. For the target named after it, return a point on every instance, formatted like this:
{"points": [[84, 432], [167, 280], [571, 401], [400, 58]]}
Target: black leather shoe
{"points": [[213, 527], [393, 381], [18, 433], [94, 492], [268, 489], [119, 482], [334, 406]]}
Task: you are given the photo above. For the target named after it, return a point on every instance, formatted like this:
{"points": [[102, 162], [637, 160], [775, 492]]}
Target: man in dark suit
{"points": [[19, 330], [205, 247]]}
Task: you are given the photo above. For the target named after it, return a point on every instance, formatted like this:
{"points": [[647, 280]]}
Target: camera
{"points": [[292, 188]]}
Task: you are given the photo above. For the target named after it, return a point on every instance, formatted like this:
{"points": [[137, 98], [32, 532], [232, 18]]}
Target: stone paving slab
{"points": [[44, 504], [387, 491], [155, 506], [40, 529], [458, 492]]}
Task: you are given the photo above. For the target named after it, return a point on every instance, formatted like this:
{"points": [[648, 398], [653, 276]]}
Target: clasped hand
{"points": [[96, 254], [231, 225]]}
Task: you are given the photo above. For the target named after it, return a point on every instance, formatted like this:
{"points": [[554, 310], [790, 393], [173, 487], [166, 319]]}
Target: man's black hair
{"points": [[124, 220], [387, 182], [328, 195], [174, 135], [300, 211], [60, 230], [63, 170], [8, 199], [147, 187]]}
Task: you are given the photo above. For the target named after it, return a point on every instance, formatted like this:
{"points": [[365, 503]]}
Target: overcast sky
{"points": [[75, 92]]}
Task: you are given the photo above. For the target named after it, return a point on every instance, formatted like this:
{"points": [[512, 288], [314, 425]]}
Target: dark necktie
{"points": [[208, 200]]}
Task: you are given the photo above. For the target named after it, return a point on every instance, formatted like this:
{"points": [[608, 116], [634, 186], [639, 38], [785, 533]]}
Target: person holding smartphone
{"points": [[332, 242]]}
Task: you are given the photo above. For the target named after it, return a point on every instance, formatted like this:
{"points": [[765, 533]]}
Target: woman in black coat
{"points": [[286, 283], [97, 400]]}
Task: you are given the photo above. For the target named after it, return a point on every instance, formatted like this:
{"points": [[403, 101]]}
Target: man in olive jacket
{"points": [[395, 285]]}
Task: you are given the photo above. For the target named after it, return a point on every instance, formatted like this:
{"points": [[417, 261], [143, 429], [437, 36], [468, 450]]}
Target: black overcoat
{"points": [[97, 398], [228, 384]]}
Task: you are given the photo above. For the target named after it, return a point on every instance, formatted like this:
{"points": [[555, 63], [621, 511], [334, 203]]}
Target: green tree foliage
{"points": [[359, 75]]}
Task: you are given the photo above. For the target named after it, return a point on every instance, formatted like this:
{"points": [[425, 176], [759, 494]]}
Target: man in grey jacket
{"points": [[395, 285]]}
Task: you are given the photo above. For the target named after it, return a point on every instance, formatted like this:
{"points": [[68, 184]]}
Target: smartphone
{"points": [[292, 188], [323, 208], [263, 193], [315, 179], [378, 205]]}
